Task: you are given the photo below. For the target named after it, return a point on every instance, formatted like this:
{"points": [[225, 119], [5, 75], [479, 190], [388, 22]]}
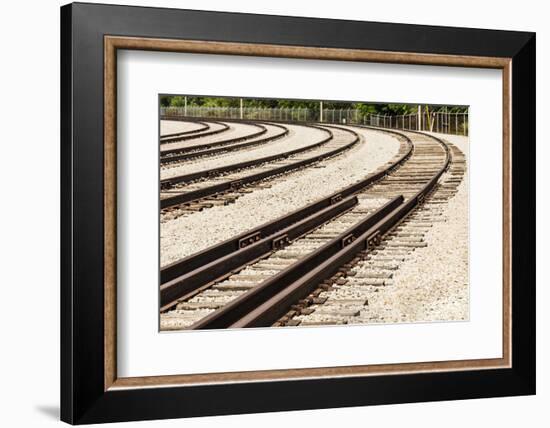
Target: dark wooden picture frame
{"points": [[90, 389]]}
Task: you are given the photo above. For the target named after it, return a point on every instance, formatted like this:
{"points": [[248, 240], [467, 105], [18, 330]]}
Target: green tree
{"points": [[177, 101]]}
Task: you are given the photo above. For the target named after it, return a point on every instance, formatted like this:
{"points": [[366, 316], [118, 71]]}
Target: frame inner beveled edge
{"points": [[112, 43]]}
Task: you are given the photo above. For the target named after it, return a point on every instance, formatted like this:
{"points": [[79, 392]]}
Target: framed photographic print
{"points": [[265, 213]]}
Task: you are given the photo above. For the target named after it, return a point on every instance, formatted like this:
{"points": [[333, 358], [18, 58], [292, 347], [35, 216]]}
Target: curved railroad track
{"points": [[268, 132], [214, 128], [295, 270], [280, 279], [208, 293], [203, 126], [222, 185], [347, 296]]}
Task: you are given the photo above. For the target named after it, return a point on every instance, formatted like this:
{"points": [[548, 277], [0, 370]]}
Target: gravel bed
{"points": [[173, 126], [298, 136], [186, 235], [235, 130], [432, 284]]}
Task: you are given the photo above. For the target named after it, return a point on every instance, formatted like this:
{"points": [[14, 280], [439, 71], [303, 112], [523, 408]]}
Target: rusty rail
{"points": [[183, 268], [237, 183], [264, 304], [213, 172], [224, 128], [250, 248], [222, 146], [205, 126], [252, 300]]}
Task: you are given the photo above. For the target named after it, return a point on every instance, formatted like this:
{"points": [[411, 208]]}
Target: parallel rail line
{"points": [[367, 274], [207, 183], [222, 146], [331, 235], [185, 265], [205, 126], [223, 127], [209, 173], [176, 276]]}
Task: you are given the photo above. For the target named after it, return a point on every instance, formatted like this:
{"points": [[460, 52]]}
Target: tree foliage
{"points": [[364, 108]]}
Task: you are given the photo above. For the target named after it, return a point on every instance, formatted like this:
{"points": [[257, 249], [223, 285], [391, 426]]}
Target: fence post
{"points": [[419, 120], [456, 123]]}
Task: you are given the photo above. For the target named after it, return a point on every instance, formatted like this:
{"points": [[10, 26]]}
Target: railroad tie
{"points": [[233, 286], [191, 306]]}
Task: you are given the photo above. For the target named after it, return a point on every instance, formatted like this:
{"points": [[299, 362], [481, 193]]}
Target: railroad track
{"points": [[268, 132], [277, 274], [213, 129], [220, 186], [347, 296], [203, 126], [200, 286]]}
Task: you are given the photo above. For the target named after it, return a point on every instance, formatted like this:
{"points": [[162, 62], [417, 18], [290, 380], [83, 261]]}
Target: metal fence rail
{"points": [[437, 121]]}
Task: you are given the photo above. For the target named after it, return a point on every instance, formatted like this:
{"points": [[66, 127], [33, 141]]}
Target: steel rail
{"points": [[169, 154], [249, 301], [224, 128], [251, 248], [272, 309], [237, 183], [187, 264], [205, 126], [226, 145], [266, 303], [213, 172]]}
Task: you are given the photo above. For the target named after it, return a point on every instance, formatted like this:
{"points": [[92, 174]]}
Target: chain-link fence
{"points": [[246, 113], [436, 121]]}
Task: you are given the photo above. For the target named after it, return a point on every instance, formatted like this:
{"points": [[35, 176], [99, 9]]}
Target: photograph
{"points": [[268, 211], [277, 212]]}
